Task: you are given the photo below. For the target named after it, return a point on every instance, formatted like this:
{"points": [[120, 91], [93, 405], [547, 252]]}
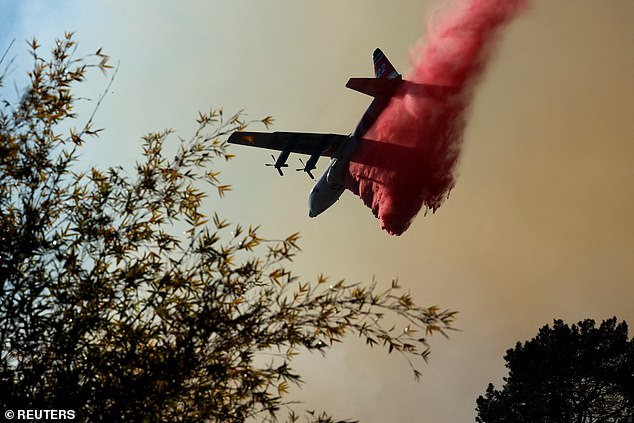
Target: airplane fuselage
{"points": [[341, 148], [330, 185]]}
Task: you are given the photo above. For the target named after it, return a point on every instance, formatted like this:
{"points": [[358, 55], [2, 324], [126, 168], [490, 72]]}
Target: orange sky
{"points": [[539, 225]]}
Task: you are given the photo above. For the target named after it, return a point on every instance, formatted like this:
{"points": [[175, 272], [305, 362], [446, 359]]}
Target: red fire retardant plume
{"points": [[410, 155]]}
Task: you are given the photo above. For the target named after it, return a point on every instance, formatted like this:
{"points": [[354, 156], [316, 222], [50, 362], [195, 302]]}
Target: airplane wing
{"points": [[291, 142], [315, 145]]}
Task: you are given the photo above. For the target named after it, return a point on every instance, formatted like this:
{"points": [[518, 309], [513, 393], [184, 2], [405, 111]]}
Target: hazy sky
{"points": [[539, 225]]}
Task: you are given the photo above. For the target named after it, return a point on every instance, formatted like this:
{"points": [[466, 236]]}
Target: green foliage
{"points": [[566, 374], [108, 308]]}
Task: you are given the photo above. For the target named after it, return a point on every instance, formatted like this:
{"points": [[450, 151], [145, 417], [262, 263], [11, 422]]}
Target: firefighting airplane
{"points": [[340, 148]]}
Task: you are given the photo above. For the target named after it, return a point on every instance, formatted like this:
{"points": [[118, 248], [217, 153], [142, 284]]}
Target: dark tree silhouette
{"points": [[576, 374], [108, 308]]}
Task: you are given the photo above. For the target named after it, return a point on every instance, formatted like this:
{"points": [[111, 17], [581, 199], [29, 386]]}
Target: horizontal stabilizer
{"points": [[375, 87], [390, 88]]}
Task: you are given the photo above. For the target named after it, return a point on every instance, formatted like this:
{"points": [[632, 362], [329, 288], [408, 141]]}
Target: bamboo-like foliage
{"points": [[108, 308]]}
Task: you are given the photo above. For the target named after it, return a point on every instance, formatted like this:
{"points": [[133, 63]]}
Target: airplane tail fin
{"points": [[382, 67], [387, 82]]}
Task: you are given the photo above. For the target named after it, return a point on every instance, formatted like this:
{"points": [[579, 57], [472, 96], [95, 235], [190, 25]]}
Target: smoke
{"points": [[409, 158]]}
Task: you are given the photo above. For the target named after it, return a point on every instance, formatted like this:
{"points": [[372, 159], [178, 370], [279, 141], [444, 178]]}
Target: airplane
{"points": [[340, 148]]}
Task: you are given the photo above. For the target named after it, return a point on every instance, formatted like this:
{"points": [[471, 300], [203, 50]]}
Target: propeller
{"points": [[276, 166], [309, 171]]}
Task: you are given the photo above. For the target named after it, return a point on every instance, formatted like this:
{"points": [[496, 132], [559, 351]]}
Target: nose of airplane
{"points": [[312, 210]]}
